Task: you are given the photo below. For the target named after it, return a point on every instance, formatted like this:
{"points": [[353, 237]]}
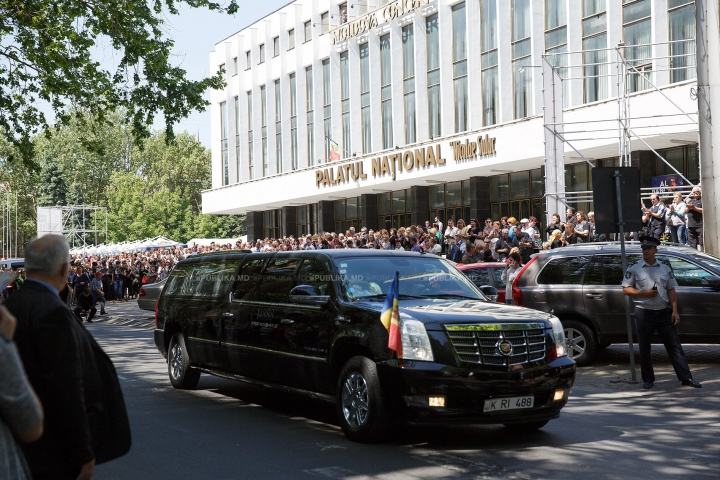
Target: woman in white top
{"points": [[512, 268], [676, 218]]}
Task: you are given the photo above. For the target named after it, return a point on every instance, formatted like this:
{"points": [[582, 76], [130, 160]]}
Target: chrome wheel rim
{"points": [[576, 343], [355, 400], [176, 361]]}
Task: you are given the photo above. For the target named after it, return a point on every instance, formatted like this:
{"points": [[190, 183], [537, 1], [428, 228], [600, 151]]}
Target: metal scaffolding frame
{"points": [[81, 221]]}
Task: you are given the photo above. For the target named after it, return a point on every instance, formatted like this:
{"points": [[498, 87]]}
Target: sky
{"points": [[195, 33]]}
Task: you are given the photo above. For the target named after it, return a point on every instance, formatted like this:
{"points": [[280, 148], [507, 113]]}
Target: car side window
{"points": [[686, 274], [211, 279], [248, 279], [479, 276], [313, 272], [277, 279], [607, 269], [564, 271], [175, 282]]}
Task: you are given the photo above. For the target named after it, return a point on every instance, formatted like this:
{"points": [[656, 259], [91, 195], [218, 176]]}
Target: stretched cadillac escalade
{"points": [[310, 321]]}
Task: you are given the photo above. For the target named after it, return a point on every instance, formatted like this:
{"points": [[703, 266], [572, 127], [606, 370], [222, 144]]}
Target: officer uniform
{"points": [[655, 313]]}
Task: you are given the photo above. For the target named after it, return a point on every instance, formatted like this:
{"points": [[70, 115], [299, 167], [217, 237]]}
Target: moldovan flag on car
{"points": [[391, 316]]}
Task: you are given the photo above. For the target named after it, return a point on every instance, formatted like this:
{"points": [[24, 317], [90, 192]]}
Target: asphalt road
{"points": [[229, 430]]}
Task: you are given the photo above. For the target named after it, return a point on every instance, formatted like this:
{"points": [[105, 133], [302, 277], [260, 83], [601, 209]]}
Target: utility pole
{"points": [[707, 22]]}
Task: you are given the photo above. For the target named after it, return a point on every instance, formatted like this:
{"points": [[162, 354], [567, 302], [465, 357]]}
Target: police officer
{"points": [[652, 285]]}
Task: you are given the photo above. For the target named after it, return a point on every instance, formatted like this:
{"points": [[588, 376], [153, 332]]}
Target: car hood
{"points": [[435, 313]]}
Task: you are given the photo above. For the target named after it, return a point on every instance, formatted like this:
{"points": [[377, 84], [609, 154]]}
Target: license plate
{"points": [[512, 403]]}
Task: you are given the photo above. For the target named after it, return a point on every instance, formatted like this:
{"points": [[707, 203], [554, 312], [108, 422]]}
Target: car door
{"points": [[698, 306], [559, 285], [603, 295], [306, 330], [268, 309], [237, 357]]}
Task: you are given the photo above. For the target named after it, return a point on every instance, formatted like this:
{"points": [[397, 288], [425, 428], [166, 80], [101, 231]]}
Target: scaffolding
{"points": [[81, 223], [9, 212], [634, 72]]}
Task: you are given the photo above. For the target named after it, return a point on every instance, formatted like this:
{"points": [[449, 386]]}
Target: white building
{"points": [[398, 92]]}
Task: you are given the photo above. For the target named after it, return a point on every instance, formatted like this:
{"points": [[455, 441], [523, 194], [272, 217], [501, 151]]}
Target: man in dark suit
{"points": [[86, 421]]}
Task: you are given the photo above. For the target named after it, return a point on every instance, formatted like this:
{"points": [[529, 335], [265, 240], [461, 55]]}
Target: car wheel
{"points": [[526, 427], [580, 341], [362, 411], [181, 375]]}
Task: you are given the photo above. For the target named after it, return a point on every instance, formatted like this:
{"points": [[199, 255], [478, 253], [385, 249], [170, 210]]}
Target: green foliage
{"points": [[46, 56]]}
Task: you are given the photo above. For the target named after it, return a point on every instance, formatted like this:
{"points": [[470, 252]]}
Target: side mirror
{"points": [[490, 292], [308, 295], [712, 282]]}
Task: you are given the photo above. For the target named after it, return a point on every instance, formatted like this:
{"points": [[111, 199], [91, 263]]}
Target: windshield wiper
{"points": [[383, 295], [450, 295]]}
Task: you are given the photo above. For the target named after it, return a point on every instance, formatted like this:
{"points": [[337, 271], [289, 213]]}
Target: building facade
{"points": [[389, 113]]}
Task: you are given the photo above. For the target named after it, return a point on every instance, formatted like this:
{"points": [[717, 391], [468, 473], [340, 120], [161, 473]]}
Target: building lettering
{"points": [[377, 17], [483, 146]]}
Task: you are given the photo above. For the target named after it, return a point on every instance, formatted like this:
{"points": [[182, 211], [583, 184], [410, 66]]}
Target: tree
{"points": [[46, 57], [52, 189]]}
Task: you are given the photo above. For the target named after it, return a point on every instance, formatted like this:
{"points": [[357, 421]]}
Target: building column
{"points": [[420, 204], [480, 199], [289, 221], [326, 216], [369, 211], [254, 226]]}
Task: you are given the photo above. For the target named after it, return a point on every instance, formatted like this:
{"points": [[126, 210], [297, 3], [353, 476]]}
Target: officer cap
{"points": [[646, 241]]}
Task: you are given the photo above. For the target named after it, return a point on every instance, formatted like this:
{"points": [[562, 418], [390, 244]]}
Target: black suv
{"points": [[581, 285], [310, 321]]}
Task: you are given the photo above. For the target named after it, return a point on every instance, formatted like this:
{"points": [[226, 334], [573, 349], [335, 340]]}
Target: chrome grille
{"points": [[478, 344]]}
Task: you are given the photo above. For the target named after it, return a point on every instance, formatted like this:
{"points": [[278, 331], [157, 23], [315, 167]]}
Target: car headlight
{"points": [[558, 335], [415, 341]]}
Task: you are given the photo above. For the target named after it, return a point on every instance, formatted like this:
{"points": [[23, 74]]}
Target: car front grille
{"points": [[488, 344]]}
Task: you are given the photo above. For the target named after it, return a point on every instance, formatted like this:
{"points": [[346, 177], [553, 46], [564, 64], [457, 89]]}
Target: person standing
{"points": [[656, 217], [652, 284], [695, 219], [86, 420], [676, 218], [524, 243], [512, 268]]}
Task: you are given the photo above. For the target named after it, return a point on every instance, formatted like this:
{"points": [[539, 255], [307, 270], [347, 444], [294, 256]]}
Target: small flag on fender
{"points": [[390, 316]]}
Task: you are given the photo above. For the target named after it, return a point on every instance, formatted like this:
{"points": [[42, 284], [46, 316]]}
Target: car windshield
{"points": [[708, 260], [422, 276]]}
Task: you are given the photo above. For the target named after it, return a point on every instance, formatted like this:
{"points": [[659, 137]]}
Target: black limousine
{"points": [[310, 321]]}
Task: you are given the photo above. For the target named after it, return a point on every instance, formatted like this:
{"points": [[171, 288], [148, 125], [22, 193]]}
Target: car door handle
{"points": [[287, 321], [596, 296], [227, 314]]}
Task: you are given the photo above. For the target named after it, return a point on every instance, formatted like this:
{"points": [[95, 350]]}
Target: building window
{"points": [[365, 98], [306, 222], [276, 46], [278, 128], [637, 31], [293, 123], [343, 9], [251, 174], [460, 79], [489, 61], [248, 60], [684, 159], [519, 194], [348, 213], [594, 31], [325, 22], [521, 61], [450, 201], [681, 17], [345, 101], [408, 40], [308, 31], [433, 76], [235, 66], [237, 137], [272, 223], [556, 41], [386, 91], [224, 142], [263, 130], [221, 67], [394, 209], [310, 115], [291, 39], [327, 96], [262, 53]]}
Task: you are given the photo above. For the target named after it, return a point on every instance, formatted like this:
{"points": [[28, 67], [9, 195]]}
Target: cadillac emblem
{"points": [[504, 347]]}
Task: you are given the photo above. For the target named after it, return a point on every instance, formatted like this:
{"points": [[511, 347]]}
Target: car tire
{"points": [[362, 410], [580, 341], [526, 427], [181, 375]]}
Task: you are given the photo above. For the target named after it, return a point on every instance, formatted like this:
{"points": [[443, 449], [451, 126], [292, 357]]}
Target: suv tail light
{"points": [[157, 318], [142, 292], [517, 298]]}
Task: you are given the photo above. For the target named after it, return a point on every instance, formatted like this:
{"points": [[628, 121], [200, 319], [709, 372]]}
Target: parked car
{"points": [[486, 274], [13, 263], [149, 293], [581, 285], [310, 321]]}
